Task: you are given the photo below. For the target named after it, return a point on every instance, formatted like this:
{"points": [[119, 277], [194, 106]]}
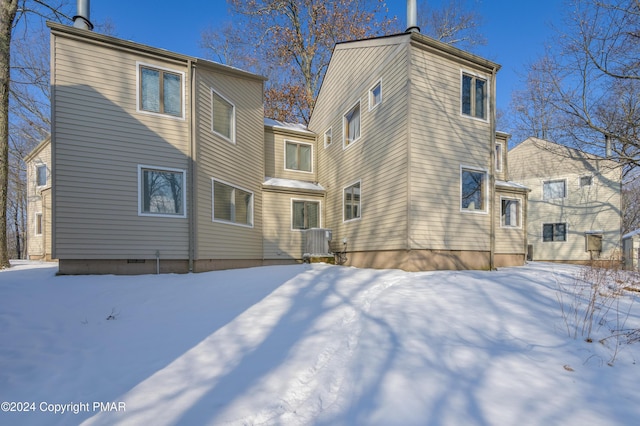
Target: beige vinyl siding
{"points": [[510, 240], [274, 148], [39, 201], [503, 140], [280, 240], [240, 164], [379, 158], [99, 139], [592, 208], [46, 223], [270, 153], [443, 140]]}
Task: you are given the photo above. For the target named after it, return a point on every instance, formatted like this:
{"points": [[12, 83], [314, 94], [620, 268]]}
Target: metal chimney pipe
{"points": [[412, 17], [81, 20]]}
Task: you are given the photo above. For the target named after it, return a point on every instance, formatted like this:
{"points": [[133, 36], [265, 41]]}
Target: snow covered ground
{"points": [[312, 344]]}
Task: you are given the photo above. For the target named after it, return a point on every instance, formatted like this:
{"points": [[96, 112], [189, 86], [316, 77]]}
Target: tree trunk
{"points": [[8, 10], [16, 225]]}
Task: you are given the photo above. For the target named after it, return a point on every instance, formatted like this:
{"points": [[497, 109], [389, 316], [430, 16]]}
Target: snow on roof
{"points": [[510, 184], [631, 234], [298, 127], [290, 183]]}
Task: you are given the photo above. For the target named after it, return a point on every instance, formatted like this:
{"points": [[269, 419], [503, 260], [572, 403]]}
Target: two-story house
{"points": [[39, 202], [574, 210], [158, 158], [164, 162], [415, 176]]}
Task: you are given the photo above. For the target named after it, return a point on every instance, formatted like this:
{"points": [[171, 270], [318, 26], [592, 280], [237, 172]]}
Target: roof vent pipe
{"points": [[81, 20], [412, 17]]}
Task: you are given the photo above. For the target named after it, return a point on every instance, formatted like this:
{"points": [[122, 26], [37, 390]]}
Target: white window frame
{"points": [[499, 157], [344, 219], [345, 143], [566, 232], [475, 76], [329, 132], [306, 200], [38, 223], [139, 90], [519, 213], [46, 177], [373, 105], [566, 189], [227, 222], [232, 139], [286, 141], [485, 209], [141, 168]]}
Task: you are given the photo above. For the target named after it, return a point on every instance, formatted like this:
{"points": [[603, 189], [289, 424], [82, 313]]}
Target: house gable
{"points": [[573, 195]]}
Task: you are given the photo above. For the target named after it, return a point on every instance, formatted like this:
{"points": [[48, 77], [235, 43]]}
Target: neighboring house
{"points": [[163, 162], [39, 202], [574, 210], [407, 155]]}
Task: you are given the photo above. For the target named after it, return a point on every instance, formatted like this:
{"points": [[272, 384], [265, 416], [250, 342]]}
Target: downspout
{"points": [[525, 225], [492, 176], [408, 141], [192, 159], [52, 144]]}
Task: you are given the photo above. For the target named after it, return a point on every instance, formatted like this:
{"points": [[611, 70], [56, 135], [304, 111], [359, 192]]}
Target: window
{"points": [[499, 156], [554, 189], [224, 117], [473, 190], [593, 242], [298, 156], [232, 204], [554, 232], [305, 214], [510, 213], [41, 175], [38, 223], [352, 202], [474, 96], [586, 181], [375, 96], [327, 138], [161, 191], [160, 91], [352, 125]]}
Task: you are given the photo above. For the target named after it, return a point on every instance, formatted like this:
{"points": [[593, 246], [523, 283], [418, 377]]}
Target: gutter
{"points": [[492, 177], [192, 160]]}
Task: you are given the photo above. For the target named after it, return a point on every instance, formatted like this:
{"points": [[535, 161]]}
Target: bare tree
{"points": [[532, 110], [453, 23], [590, 81], [13, 12], [630, 207], [291, 41]]}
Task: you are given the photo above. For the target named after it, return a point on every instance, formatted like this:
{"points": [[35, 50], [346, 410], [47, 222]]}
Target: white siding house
{"points": [[39, 202], [574, 212]]}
